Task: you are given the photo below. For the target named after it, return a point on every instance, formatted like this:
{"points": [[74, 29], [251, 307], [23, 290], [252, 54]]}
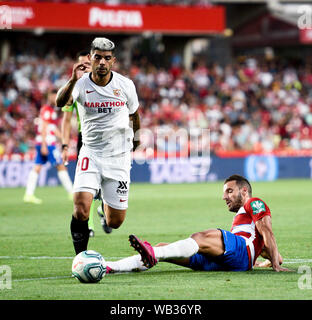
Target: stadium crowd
{"points": [[252, 104]]}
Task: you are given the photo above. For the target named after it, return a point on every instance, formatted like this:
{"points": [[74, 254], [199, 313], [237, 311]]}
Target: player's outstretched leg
{"points": [[127, 264], [207, 242], [101, 213]]}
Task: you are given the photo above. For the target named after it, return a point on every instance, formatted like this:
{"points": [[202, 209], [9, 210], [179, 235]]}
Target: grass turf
{"points": [[36, 244]]}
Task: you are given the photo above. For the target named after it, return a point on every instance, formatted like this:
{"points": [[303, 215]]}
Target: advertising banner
{"points": [[98, 17], [184, 170]]}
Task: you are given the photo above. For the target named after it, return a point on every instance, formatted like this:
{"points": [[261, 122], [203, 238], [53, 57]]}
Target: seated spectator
{"points": [[250, 105]]}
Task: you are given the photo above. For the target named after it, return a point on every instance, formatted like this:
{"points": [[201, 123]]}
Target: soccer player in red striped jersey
{"points": [[47, 151], [252, 220], [217, 249]]}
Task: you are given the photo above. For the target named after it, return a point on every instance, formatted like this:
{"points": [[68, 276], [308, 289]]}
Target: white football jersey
{"points": [[104, 113]]}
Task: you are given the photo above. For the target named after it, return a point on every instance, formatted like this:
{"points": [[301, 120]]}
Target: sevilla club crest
{"points": [[117, 92]]}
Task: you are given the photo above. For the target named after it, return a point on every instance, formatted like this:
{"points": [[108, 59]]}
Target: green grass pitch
{"points": [[36, 244]]}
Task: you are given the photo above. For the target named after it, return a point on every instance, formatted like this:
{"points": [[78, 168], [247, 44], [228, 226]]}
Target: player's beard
{"points": [[237, 204], [102, 73]]}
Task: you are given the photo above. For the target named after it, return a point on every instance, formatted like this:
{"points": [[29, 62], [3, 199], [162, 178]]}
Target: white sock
{"points": [[128, 264], [31, 183], [65, 180], [179, 249]]}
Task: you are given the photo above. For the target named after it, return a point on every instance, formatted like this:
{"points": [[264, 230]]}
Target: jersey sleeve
{"points": [[75, 92], [79, 87], [133, 101], [257, 209], [68, 108]]}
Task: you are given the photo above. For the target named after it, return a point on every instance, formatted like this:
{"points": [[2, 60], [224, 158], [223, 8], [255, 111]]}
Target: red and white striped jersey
{"points": [[244, 225], [48, 114]]}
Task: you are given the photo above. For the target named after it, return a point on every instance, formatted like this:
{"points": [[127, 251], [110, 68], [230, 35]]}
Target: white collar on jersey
{"points": [[241, 210], [110, 79]]}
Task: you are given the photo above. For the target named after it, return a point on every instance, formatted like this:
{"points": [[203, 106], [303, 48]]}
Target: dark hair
{"points": [[240, 181], [82, 53]]}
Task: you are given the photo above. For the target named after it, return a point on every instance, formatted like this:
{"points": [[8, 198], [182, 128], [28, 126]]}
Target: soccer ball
{"points": [[89, 266]]}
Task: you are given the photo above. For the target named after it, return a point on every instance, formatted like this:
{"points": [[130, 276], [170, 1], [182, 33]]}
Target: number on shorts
{"points": [[84, 164]]}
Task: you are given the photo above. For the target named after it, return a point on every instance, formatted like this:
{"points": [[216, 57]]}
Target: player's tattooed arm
{"points": [[63, 96], [135, 122]]}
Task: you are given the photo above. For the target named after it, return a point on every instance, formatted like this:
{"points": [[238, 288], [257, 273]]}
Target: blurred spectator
{"points": [[250, 105]]}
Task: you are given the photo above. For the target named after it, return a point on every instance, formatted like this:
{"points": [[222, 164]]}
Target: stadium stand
{"points": [[250, 105], [254, 104]]}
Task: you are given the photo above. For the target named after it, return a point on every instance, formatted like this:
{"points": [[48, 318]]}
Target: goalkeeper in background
{"points": [[68, 109]]}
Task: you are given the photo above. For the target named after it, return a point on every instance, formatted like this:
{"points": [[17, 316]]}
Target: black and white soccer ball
{"points": [[89, 266]]}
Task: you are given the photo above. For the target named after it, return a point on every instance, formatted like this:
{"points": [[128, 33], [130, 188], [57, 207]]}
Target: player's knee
{"points": [[114, 217], [81, 211], [198, 237], [202, 238], [209, 242], [37, 168], [114, 224]]}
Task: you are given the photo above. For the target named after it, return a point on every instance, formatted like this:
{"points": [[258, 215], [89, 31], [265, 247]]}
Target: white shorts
{"points": [[110, 174]]}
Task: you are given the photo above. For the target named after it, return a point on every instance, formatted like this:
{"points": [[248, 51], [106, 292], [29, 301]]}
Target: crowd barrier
{"points": [[181, 170]]}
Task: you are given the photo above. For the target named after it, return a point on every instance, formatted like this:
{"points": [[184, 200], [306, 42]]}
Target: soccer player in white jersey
{"points": [[216, 249], [108, 107]]}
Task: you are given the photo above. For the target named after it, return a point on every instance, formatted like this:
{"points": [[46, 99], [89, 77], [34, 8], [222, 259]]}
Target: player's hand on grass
{"points": [[267, 264], [281, 269]]}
